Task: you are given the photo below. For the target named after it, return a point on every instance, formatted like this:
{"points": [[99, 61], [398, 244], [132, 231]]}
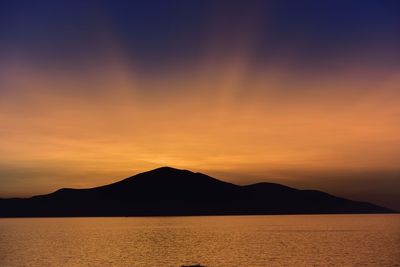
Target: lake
{"points": [[292, 240]]}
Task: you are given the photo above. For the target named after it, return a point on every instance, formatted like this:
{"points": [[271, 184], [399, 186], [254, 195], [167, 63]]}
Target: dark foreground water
{"points": [[315, 240]]}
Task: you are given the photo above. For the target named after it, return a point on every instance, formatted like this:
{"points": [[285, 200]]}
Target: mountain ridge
{"points": [[168, 191]]}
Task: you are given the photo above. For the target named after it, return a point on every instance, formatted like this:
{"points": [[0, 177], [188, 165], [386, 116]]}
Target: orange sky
{"points": [[230, 120], [88, 125]]}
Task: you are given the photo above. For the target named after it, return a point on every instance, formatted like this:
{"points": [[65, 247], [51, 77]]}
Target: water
{"points": [[312, 240]]}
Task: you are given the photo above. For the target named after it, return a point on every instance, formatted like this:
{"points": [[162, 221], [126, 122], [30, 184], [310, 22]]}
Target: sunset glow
{"points": [[319, 118]]}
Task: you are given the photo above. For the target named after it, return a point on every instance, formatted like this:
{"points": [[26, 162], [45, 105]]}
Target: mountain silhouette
{"points": [[167, 191]]}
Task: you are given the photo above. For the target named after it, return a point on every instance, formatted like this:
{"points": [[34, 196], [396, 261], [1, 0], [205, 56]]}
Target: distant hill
{"points": [[168, 191]]}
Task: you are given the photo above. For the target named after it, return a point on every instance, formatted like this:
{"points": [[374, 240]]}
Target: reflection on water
{"points": [[314, 240]]}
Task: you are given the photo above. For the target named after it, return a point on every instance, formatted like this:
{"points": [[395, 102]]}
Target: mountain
{"points": [[168, 191]]}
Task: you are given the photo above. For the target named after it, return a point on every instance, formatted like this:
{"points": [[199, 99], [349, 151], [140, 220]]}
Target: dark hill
{"points": [[169, 191]]}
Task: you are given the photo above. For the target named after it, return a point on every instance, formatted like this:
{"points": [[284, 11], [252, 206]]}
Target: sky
{"points": [[304, 93]]}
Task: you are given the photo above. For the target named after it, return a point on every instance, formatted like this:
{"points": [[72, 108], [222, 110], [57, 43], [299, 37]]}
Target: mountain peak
{"points": [[168, 177], [166, 169]]}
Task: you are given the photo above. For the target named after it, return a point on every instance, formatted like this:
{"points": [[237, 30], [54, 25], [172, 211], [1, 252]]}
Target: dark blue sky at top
{"points": [[159, 34]]}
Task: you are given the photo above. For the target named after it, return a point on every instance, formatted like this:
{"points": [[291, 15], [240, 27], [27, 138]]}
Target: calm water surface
{"points": [[315, 240]]}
